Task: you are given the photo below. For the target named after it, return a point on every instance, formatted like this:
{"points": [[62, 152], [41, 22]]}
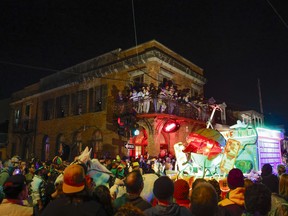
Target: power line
{"points": [[28, 66], [134, 24], [276, 12]]}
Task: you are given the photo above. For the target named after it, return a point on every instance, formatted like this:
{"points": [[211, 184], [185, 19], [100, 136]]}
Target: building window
{"points": [[62, 106], [97, 98], [79, 102], [62, 149], [45, 148], [48, 109], [164, 76], [17, 117], [26, 119], [97, 141], [138, 150]]}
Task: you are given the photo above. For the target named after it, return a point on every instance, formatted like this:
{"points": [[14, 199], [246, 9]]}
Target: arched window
{"points": [[15, 145], [45, 148], [62, 149], [97, 144], [26, 148]]}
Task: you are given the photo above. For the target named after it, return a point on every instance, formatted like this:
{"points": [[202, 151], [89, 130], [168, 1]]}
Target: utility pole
{"points": [[260, 97]]}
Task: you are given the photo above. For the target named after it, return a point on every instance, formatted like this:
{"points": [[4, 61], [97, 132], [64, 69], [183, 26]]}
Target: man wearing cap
{"points": [[76, 201], [163, 190], [16, 193], [136, 166], [234, 203]]}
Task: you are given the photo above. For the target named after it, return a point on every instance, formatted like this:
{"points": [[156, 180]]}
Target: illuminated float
{"points": [[208, 152]]}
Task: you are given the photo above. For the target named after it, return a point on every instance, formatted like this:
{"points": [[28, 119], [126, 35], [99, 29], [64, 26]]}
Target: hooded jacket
{"points": [[170, 210], [234, 203], [135, 200], [279, 206]]}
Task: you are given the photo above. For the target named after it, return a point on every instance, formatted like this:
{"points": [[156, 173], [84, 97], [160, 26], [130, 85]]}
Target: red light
{"points": [[171, 126], [119, 122]]}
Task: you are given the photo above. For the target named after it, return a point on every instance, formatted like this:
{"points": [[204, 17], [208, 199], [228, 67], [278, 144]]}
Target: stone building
{"points": [[80, 106]]}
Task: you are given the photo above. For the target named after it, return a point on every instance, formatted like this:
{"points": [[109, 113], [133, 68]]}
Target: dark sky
{"points": [[236, 42]]}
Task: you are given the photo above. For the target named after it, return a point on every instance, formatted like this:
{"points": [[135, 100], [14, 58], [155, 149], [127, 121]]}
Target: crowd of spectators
{"points": [[164, 98], [33, 188]]}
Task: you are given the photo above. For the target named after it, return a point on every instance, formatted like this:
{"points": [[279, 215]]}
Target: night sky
{"points": [[236, 42]]}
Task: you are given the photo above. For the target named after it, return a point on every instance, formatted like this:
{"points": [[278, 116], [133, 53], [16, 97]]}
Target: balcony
{"points": [[194, 110], [24, 125]]}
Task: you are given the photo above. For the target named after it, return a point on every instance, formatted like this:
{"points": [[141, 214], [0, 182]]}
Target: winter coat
{"points": [[279, 206], [171, 210], [272, 182], [64, 207], [234, 203], [137, 201], [4, 175], [15, 208]]}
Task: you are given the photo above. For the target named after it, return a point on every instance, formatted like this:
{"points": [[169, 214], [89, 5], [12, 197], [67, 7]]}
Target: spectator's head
{"points": [[235, 178], [248, 182], [15, 160], [135, 165], [197, 181], [266, 169], [134, 182], [281, 169], [129, 210], [283, 185], [181, 189], [204, 200], [216, 186], [163, 188], [257, 199], [102, 195], [74, 179], [15, 187], [57, 162]]}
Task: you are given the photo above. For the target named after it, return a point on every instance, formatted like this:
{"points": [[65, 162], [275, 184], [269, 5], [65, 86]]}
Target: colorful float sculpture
{"points": [[211, 152]]}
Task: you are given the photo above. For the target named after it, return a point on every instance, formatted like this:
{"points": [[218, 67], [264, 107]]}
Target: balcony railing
{"points": [[24, 125], [194, 110]]}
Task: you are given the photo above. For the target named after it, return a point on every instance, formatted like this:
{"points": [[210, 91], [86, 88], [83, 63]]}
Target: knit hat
{"points": [[74, 179], [235, 178], [135, 164], [13, 181], [181, 189], [163, 188], [14, 185], [57, 160]]}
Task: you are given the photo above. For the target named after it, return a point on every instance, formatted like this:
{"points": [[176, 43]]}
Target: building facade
{"points": [[85, 105]]}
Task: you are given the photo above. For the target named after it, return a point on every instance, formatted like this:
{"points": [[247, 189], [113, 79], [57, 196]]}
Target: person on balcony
{"points": [[140, 96], [147, 99], [154, 91], [134, 99], [171, 100], [162, 97]]}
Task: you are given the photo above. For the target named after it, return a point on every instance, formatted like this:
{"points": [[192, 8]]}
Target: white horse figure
{"points": [[147, 192], [97, 171]]}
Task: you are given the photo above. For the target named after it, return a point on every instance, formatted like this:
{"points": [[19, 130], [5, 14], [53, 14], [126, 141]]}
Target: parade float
{"points": [[212, 153]]}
